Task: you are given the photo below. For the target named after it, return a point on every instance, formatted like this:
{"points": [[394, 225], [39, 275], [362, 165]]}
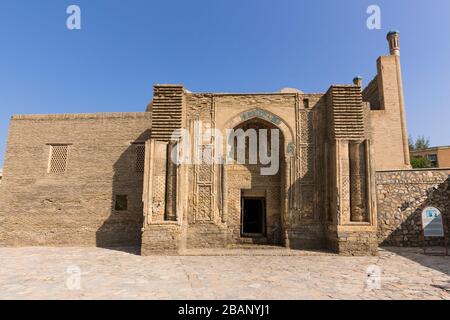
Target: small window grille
{"points": [[140, 157], [121, 203], [58, 158]]}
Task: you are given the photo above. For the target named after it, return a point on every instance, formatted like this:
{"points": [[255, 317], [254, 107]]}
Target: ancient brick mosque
{"points": [[107, 179]]}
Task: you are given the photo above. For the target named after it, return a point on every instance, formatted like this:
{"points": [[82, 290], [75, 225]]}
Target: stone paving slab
{"points": [[94, 273], [254, 251]]}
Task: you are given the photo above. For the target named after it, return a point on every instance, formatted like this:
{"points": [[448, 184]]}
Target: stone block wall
{"points": [[77, 207], [402, 195]]}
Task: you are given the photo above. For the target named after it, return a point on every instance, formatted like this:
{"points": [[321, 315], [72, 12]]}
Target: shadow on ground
{"points": [[438, 263]]}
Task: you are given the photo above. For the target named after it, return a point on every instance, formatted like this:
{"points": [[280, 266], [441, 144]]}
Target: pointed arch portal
{"points": [[280, 123]]}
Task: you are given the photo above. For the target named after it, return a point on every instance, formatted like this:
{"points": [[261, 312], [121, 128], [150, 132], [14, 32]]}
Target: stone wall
{"points": [[76, 207], [402, 195]]}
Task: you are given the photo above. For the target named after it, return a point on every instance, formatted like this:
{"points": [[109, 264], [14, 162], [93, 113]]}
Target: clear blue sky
{"points": [[125, 47]]}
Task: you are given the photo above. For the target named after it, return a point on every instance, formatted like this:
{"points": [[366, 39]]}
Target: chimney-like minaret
{"points": [[389, 132], [394, 43], [393, 38], [357, 81]]}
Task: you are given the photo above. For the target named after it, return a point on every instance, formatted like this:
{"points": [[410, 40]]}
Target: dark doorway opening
{"points": [[253, 217]]}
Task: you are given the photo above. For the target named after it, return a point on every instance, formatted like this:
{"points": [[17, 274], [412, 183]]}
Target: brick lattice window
{"points": [[140, 157], [58, 158]]}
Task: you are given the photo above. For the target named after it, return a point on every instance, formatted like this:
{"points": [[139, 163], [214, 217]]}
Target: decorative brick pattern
{"points": [[307, 164], [306, 127], [58, 159], [346, 112], [204, 204], [167, 111], [140, 157]]}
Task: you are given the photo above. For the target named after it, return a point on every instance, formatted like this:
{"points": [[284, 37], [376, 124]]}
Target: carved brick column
{"points": [[344, 190], [162, 231], [357, 181], [171, 186], [352, 227]]}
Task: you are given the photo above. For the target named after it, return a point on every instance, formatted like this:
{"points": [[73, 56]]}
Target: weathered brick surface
{"points": [[386, 122], [324, 190], [356, 243], [305, 127], [402, 195], [162, 238], [74, 208]]}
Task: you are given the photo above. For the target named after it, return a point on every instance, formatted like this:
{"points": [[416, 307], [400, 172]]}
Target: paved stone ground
{"points": [[52, 273]]}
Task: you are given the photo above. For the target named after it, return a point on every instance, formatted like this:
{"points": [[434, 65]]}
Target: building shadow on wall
{"points": [[409, 233], [308, 215], [122, 230], [307, 193]]}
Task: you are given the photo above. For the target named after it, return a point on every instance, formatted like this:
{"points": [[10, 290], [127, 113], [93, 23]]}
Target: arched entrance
{"points": [[255, 202]]}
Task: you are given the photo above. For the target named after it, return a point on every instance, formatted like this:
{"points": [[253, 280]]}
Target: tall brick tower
{"points": [[387, 108]]}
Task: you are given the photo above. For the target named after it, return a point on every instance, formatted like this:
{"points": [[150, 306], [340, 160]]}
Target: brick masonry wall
{"points": [[352, 242], [162, 239], [386, 127], [402, 195], [304, 228], [77, 207]]}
